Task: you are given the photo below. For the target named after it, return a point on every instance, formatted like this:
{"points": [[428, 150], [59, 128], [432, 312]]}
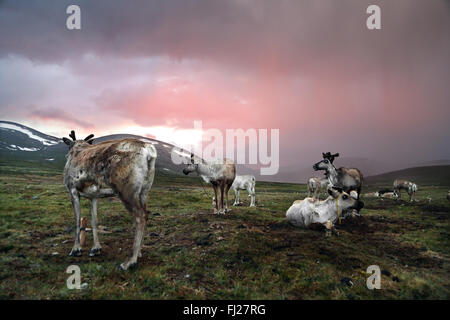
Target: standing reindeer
{"points": [[246, 182], [346, 178], [411, 188], [315, 186], [220, 175], [123, 168]]}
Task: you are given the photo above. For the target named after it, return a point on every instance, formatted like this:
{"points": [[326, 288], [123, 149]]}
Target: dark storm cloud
{"points": [[289, 34]]}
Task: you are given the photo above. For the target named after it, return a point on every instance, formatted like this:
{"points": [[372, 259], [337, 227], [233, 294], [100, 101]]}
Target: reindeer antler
{"points": [[89, 137], [330, 156], [72, 135]]}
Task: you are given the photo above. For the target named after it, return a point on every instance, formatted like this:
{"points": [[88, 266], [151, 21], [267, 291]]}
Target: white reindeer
{"points": [[123, 168], [245, 182], [411, 188], [305, 212], [220, 175], [315, 185]]}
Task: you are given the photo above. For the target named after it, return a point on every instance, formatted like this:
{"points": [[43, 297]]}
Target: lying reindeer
{"points": [[123, 168], [386, 193], [220, 175], [305, 212], [411, 188], [246, 182]]}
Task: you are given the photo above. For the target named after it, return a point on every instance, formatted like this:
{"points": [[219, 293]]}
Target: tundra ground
{"points": [[189, 253]]}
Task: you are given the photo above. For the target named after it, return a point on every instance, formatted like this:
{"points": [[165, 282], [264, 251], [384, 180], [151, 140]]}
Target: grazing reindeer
{"points": [[220, 175], [123, 168], [315, 186], [411, 188], [304, 212], [246, 182], [346, 178]]}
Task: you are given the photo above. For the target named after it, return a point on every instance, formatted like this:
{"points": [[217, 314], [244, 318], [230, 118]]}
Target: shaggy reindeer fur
{"points": [[123, 168]]}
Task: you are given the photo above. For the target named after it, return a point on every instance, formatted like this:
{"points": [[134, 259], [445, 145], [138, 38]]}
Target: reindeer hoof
{"points": [[95, 252], [127, 265], [75, 252]]}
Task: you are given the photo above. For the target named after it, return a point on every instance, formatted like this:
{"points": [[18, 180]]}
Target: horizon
{"points": [[274, 178]]}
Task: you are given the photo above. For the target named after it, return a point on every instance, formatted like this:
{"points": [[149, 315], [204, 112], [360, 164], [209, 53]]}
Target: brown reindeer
{"points": [[123, 168], [220, 175]]}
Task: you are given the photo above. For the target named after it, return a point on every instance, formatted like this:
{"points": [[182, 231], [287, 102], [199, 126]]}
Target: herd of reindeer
{"points": [[126, 168]]}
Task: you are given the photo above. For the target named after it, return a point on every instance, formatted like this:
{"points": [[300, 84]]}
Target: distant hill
{"points": [[428, 175], [19, 142]]}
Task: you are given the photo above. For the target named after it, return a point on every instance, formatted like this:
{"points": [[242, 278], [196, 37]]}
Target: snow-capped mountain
{"points": [[19, 142]]}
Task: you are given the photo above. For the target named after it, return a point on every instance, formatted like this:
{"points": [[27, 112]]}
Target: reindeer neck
{"points": [[331, 174], [204, 171]]}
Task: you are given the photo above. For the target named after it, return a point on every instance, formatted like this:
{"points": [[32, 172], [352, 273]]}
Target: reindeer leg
{"points": [[251, 194], [216, 206], [236, 197], [75, 197], [221, 209], [227, 188], [140, 220], [95, 251]]}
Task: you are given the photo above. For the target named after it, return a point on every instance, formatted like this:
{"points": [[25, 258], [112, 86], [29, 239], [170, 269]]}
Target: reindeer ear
{"points": [[90, 141], [336, 155], [67, 141], [332, 191]]}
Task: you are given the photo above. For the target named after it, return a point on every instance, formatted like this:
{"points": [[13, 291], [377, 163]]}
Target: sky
{"points": [[311, 69]]}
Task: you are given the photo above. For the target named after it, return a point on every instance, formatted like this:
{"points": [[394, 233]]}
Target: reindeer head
{"points": [[324, 164], [345, 200], [71, 143], [330, 156], [191, 167]]}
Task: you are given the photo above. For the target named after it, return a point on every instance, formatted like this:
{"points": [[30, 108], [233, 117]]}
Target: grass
{"points": [[189, 253]]}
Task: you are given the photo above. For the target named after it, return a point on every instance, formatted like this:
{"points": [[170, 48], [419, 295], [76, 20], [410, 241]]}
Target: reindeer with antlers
{"points": [[123, 168], [346, 178]]}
